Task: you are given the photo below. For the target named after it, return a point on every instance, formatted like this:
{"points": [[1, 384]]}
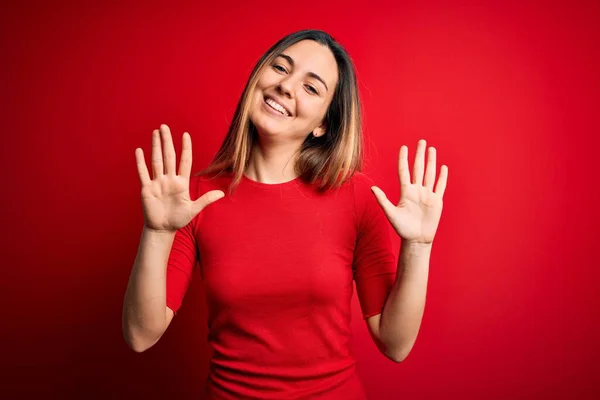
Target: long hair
{"points": [[329, 159]]}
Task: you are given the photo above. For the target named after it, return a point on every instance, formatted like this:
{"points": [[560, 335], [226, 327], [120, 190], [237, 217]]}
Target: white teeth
{"points": [[277, 106]]}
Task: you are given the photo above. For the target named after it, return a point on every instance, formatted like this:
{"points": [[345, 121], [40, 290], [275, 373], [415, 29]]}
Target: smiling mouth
{"points": [[276, 106]]}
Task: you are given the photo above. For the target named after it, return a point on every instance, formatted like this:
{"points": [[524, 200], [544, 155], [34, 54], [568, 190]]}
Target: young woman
{"points": [[279, 252]]}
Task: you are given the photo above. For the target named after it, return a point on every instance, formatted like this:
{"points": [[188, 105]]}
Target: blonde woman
{"points": [[281, 224]]}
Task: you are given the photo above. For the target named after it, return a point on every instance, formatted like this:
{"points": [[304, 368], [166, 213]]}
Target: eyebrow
{"points": [[311, 74]]}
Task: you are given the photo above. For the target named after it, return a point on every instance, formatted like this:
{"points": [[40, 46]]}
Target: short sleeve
{"points": [[180, 265], [375, 262]]}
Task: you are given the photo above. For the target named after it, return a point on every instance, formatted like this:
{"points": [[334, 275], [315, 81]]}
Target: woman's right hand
{"points": [[166, 199]]}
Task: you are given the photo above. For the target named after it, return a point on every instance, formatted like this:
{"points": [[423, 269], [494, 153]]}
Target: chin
{"points": [[266, 129]]}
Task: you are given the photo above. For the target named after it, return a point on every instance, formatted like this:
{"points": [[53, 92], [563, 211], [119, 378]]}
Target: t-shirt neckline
{"points": [[270, 185]]}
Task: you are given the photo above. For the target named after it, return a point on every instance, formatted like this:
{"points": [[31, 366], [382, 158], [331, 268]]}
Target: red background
{"points": [[509, 96]]}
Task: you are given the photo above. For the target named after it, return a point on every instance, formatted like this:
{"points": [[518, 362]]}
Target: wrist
{"points": [[416, 246], [158, 232]]}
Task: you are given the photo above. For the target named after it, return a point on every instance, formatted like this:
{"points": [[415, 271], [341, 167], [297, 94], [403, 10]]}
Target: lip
{"points": [[278, 102]]}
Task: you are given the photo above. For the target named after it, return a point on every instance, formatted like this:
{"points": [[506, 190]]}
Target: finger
{"points": [[157, 160], [430, 171], [206, 199], [403, 171], [419, 162], [169, 150], [387, 206], [141, 167], [440, 188], [185, 165]]}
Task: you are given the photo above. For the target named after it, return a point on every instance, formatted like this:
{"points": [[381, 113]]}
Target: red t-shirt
{"points": [[278, 263]]}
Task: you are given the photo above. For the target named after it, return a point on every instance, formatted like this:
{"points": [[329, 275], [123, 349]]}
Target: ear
{"points": [[320, 130]]}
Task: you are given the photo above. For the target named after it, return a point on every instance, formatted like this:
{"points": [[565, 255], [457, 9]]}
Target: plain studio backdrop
{"points": [[508, 94]]}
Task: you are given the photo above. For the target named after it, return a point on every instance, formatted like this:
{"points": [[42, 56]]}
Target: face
{"points": [[293, 94]]}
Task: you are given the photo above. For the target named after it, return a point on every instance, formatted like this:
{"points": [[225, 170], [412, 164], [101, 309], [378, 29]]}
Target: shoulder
{"points": [[200, 184], [364, 199], [361, 185], [361, 180]]}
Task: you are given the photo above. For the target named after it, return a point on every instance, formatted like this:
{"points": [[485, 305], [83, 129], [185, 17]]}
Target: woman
{"points": [[279, 253]]}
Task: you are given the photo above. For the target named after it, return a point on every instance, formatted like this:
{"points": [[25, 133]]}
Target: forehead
{"points": [[310, 56]]}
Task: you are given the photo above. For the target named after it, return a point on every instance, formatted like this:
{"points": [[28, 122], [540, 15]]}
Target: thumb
{"points": [[206, 199], [387, 206]]}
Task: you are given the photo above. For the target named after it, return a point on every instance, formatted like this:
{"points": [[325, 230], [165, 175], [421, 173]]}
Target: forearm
{"points": [[144, 308], [403, 310]]}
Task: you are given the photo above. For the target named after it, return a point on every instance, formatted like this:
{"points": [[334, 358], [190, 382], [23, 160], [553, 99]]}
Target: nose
{"points": [[286, 86]]}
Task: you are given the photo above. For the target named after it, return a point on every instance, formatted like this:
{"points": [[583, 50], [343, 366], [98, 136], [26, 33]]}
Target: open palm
{"points": [[166, 201], [417, 215]]}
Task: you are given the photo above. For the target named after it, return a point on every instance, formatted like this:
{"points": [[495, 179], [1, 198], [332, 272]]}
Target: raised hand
{"points": [[417, 215], [166, 199]]}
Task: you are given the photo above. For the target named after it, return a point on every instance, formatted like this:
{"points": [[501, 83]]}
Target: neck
{"points": [[273, 163]]}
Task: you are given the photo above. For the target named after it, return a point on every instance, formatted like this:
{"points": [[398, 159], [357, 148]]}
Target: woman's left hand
{"points": [[417, 215]]}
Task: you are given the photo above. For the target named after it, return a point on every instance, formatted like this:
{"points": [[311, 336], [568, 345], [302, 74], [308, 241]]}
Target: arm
{"points": [[415, 219], [167, 209], [145, 314], [395, 330]]}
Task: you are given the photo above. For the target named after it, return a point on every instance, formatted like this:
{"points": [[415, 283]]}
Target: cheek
{"points": [[312, 108], [267, 78]]}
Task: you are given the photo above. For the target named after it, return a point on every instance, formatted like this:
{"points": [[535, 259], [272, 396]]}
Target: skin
{"points": [[415, 219], [167, 204], [291, 81], [166, 201]]}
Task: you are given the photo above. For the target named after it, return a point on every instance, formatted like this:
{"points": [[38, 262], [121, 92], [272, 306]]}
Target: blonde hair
{"points": [[327, 160]]}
